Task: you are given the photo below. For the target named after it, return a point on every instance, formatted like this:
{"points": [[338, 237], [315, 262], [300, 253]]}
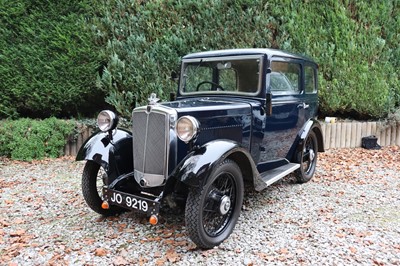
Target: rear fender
{"points": [[310, 125], [198, 165], [313, 125], [115, 156]]}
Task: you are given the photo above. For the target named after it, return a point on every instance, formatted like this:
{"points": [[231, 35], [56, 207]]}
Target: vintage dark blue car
{"points": [[239, 116]]}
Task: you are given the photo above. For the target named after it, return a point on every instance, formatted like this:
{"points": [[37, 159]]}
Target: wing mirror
{"points": [[174, 76]]}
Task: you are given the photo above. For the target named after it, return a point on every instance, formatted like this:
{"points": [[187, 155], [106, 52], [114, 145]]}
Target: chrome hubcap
{"points": [[224, 205], [312, 155]]}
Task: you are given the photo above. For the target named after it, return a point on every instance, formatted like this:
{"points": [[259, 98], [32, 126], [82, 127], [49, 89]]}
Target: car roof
{"points": [[247, 51]]}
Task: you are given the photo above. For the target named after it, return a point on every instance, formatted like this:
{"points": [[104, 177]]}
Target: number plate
{"points": [[131, 202]]}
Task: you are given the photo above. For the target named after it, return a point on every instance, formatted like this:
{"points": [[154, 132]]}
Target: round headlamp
{"points": [[187, 128], [107, 120]]}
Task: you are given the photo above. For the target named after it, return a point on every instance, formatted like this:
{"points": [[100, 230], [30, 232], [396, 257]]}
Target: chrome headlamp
{"points": [[187, 128], [107, 120]]}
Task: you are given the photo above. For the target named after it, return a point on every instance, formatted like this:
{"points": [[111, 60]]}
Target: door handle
{"points": [[303, 105]]}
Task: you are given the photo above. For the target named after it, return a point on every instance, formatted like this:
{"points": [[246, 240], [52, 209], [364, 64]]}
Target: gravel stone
{"points": [[347, 215]]}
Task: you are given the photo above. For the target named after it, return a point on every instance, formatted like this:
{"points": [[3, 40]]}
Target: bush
{"points": [[354, 42], [27, 139], [48, 60], [143, 41], [356, 45]]}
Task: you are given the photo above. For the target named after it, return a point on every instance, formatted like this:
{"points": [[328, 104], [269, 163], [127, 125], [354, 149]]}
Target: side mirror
{"points": [[268, 104], [174, 76], [172, 96]]}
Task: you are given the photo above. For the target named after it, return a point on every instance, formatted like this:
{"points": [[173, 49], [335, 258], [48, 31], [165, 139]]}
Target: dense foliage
{"points": [[48, 60], [51, 51], [354, 42], [27, 139]]}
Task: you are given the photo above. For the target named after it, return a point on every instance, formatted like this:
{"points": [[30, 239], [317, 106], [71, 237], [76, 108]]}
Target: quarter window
{"points": [[310, 80]]}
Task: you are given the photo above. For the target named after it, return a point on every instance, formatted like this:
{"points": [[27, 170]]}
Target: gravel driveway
{"points": [[347, 215]]}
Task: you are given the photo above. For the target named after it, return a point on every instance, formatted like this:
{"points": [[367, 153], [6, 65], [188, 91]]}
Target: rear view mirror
{"points": [[225, 65]]}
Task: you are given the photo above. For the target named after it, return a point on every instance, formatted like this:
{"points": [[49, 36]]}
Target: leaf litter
{"points": [[44, 220]]}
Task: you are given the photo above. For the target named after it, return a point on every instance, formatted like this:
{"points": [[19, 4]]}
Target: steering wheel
{"points": [[209, 82]]}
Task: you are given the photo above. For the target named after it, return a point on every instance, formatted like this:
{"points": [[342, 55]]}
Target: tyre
{"points": [[213, 209], [307, 158], [92, 184]]}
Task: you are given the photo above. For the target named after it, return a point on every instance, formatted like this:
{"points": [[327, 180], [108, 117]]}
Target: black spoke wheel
{"points": [[307, 158], [213, 209], [92, 184]]}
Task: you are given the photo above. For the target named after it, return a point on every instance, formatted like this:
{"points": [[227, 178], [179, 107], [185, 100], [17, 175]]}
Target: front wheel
{"points": [[307, 157], [213, 209], [92, 184]]}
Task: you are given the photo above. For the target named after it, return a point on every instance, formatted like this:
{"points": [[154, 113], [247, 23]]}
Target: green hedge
{"points": [[48, 59], [51, 51], [354, 42], [27, 139]]}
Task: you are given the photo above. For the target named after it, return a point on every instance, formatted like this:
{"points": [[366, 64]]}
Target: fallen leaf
{"points": [[18, 233], [172, 256], [120, 261], [353, 250], [160, 262], [100, 252], [283, 251]]}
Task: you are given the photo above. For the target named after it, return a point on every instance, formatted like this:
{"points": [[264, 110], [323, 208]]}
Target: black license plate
{"points": [[131, 202]]}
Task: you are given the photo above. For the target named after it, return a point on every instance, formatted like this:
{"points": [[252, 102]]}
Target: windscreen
{"points": [[221, 75]]}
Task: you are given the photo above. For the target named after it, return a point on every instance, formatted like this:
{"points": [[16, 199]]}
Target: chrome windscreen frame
{"points": [[223, 58]]}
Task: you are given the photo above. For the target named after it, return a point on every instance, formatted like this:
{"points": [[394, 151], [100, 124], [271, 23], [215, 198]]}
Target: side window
{"points": [[285, 78], [310, 80]]}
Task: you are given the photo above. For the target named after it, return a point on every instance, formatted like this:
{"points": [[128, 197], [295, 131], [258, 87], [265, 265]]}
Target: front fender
{"points": [[199, 164], [115, 156]]}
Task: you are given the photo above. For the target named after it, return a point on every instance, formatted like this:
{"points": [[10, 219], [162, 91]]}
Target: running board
{"points": [[271, 176]]}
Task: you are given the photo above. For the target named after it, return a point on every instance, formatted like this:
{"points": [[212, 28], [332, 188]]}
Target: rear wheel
{"points": [[213, 209], [307, 158], [92, 186]]}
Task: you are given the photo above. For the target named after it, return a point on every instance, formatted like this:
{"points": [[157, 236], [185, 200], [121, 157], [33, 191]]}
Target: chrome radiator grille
{"points": [[150, 146]]}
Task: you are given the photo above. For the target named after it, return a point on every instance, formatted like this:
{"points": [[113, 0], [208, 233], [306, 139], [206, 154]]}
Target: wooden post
{"points": [[333, 136], [353, 135], [398, 136], [373, 128], [73, 149], [79, 141], [339, 137], [327, 139], [388, 135], [66, 149], [85, 134], [358, 139], [348, 135], [363, 131], [393, 135], [382, 135]]}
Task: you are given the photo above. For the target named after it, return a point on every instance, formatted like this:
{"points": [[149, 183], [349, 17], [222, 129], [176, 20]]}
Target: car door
{"points": [[288, 111]]}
